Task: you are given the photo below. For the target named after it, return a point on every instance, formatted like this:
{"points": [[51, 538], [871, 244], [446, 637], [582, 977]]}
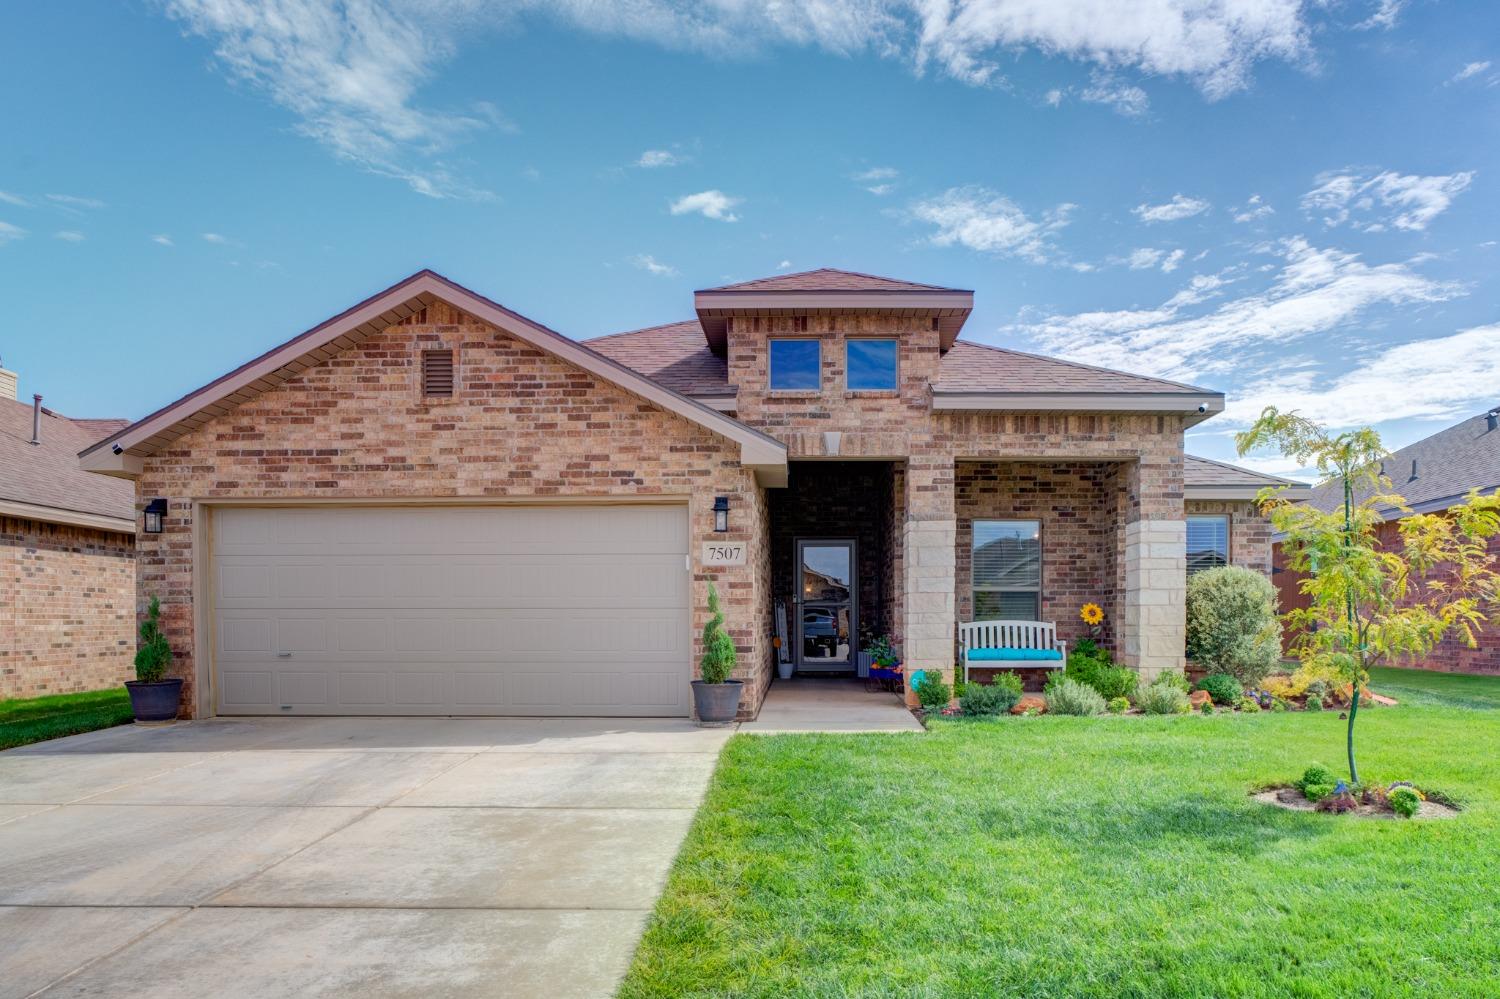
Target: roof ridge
{"points": [[914, 285], [1085, 367]]}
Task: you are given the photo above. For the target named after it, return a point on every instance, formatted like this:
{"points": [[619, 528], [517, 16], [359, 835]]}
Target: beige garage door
{"points": [[560, 610]]}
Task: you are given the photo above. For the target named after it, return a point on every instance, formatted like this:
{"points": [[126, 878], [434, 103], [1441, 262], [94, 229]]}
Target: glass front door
{"points": [[826, 606]]}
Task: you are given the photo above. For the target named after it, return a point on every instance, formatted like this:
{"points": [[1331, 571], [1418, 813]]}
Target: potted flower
{"points": [[886, 664], [153, 695], [716, 697]]}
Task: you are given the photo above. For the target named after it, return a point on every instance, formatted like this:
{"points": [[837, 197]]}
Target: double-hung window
{"points": [[1207, 543], [1006, 570]]}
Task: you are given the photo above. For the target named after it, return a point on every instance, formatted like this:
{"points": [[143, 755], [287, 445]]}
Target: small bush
{"points": [[1164, 699], [1248, 705], [1208, 707], [1317, 792], [1404, 801], [995, 698], [1069, 697], [718, 648], [1232, 625], [1314, 702], [933, 692], [1173, 679], [1118, 705], [155, 654], [1223, 688], [1278, 705], [1316, 774]]}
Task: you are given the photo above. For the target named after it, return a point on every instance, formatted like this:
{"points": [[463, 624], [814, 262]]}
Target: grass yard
{"points": [[1106, 856], [39, 718]]}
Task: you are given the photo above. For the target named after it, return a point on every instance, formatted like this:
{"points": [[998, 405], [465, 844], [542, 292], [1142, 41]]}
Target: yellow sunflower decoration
{"points": [[1092, 614]]}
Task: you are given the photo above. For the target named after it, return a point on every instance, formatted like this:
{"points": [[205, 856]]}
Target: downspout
{"points": [[36, 419]]}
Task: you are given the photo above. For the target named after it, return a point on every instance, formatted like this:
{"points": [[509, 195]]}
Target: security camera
{"points": [[117, 449], [1202, 407]]}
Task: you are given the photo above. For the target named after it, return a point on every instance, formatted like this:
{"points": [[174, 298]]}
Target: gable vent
{"points": [[437, 373]]}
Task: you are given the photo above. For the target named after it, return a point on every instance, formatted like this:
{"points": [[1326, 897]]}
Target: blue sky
{"points": [[1296, 203]]}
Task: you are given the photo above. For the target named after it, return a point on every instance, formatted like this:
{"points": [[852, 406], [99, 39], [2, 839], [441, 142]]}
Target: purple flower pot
{"points": [[154, 701]]}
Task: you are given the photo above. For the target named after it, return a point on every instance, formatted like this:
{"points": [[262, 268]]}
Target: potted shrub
{"points": [[716, 697], [153, 695]]}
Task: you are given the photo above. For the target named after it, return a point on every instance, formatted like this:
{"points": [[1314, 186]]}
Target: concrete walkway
{"points": [[328, 857], [804, 704]]}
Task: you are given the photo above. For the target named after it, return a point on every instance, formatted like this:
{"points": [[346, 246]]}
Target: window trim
{"points": [[895, 342], [1228, 523], [817, 343], [1041, 567]]}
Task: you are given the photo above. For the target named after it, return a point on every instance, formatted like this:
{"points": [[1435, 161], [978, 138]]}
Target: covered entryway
{"points": [[577, 609]]}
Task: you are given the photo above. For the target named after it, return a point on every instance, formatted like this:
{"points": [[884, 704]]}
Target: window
{"points": [[1207, 543], [1006, 570], [437, 373], [870, 365], [795, 364]]}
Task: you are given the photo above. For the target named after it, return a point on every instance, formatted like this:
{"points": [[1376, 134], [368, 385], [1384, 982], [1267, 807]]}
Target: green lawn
{"points": [[39, 718], [1109, 857]]}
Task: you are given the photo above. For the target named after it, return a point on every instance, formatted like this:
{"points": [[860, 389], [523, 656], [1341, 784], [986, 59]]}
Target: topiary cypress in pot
{"points": [[716, 697], [153, 695]]}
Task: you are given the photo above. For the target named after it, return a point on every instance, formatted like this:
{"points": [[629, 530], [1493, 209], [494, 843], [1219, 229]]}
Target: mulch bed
{"points": [[1293, 800]]}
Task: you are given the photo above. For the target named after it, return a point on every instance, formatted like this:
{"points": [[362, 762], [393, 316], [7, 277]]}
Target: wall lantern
{"points": [[156, 512], [721, 514]]}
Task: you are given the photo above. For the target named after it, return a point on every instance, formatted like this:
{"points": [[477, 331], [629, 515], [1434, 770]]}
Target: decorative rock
{"points": [[1028, 702], [1198, 698]]}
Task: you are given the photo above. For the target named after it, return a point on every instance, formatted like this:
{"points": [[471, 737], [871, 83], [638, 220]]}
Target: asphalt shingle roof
{"points": [[976, 367], [48, 474], [829, 279], [1198, 471], [676, 355]]}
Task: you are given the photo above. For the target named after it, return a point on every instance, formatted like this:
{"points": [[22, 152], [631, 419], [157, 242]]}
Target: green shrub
{"points": [[933, 693], [718, 648], [1314, 702], [1404, 801], [1232, 625], [959, 687], [1164, 699], [1221, 687], [1248, 705], [1208, 707], [1171, 678], [1090, 665], [1317, 792], [1316, 774], [1118, 705], [1069, 697], [995, 698], [155, 654], [1277, 704]]}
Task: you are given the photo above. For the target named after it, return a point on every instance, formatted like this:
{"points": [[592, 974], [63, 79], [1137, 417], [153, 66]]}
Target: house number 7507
{"points": [[718, 553]]}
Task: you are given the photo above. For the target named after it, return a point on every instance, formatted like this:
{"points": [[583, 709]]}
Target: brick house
{"points": [[1432, 475], [67, 555], [430, 504]]}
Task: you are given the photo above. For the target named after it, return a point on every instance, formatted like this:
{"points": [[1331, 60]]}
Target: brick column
{"points": [[1153, 607], [929, 534]]}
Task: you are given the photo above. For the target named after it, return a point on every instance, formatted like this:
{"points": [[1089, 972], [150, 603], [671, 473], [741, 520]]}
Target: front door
{"points": [[827, 611]]}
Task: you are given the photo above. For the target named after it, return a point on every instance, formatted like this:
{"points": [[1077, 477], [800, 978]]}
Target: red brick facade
{"points": [[67, 608], [1249, 530]]}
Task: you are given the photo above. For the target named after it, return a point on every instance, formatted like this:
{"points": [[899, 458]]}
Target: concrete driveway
{"points": [[371, 857]]}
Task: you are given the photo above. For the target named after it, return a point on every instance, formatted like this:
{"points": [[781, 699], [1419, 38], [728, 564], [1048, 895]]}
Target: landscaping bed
{"points": [[40, 718]]}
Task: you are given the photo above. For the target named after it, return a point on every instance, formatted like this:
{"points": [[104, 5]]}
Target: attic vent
{"points": [[437, 373]]}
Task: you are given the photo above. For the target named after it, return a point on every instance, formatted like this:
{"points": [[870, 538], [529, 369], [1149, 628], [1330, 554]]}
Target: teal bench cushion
{"points": [[1012, 655]]}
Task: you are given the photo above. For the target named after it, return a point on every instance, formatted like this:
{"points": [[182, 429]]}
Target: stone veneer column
{"points": [[1153, 622], [929, 534]]}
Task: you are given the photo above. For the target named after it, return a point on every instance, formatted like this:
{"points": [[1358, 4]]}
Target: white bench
{"points": [[1012, 639]]}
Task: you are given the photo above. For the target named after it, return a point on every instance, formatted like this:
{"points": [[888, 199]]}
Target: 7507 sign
{"points": [[723, 553]]}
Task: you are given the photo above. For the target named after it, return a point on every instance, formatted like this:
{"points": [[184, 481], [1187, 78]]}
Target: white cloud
{"points": [[162, 239], [879, 181], [1254, 209], [1384, 16], [69, 236], [1441, 378], [1144, 258], [1170, 263], [1180, 207], [714, 204], [984, 220], [10, 233], [1313, 291], [1469, 71], [1053, 98], [653, 158], [651, 265], [14, 199], [1122, 98], [73, 204], [784, 265], [1408, 201], [216, 238]]}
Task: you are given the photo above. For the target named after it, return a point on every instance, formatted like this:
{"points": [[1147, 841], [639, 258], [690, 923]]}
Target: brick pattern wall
{"points": [[67, 608], [521, 424], [1249, 531], [1074, 506]]}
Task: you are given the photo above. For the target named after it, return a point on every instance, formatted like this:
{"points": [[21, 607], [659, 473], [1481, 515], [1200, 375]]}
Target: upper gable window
{"points": [[870, 365], [795, 364]]}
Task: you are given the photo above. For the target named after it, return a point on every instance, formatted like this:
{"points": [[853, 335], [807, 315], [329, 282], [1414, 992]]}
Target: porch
{"points": [[830, 704]]}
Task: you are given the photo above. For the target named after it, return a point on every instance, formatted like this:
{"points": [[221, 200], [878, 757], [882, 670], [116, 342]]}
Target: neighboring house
{"points": [[431, 504], [1431, 475], [67, 556]]}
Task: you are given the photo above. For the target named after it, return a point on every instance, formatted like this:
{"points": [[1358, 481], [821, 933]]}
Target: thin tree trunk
{"points": [[1355, 632]]}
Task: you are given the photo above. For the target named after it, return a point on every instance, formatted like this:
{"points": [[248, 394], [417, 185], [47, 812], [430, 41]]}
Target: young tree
{"points": [[1371, 601]]}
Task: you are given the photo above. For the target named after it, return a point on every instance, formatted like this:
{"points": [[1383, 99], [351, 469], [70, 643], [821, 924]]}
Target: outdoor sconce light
{"points": [[721, 514], [156, 512]]}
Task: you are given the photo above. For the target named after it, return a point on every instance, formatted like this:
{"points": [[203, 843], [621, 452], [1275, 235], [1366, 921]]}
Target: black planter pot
{"points": [[717, 703], [154, 701]]}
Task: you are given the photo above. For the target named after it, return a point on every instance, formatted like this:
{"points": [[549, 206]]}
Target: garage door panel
{"points": [[499, 610]]}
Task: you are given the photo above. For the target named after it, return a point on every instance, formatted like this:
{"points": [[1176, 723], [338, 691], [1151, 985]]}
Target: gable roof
{"points": [[44, 481], [674, 355], [979, 367], [122, 453], [1448, 464], [829, 279], [1204, 478]]}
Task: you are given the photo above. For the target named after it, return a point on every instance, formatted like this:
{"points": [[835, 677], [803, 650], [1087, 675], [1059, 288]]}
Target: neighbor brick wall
{"points": [[521, 424], [67, 608]]}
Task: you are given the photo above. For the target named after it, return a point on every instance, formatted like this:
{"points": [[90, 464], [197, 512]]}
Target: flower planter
{"points": [[717, 703], [154, 702]]}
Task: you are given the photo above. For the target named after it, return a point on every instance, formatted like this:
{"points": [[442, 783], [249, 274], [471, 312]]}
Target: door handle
{"points": [[283, 655]]}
